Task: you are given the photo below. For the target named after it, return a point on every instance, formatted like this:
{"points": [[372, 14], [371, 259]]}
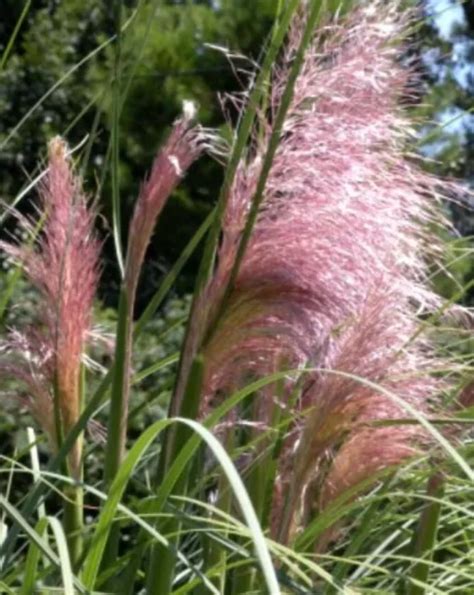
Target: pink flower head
{"points": [[180, 150], [64, 269]]}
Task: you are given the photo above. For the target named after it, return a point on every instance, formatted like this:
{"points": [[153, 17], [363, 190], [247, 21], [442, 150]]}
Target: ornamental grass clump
{"points": [[335, 273], [309, 350]]}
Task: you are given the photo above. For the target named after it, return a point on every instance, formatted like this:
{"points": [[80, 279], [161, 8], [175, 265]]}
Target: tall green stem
{"points": [[273, 143], [119, 396], [425, 538], [118, 417], [73, 509]]}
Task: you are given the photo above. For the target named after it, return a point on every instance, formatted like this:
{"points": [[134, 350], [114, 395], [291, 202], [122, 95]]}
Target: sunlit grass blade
{"points": [[314, 12], [241, 497], [115, 138], [104, 526], [32, 560], [35, 465], [165, 362], [14, 131], [63, 552]]}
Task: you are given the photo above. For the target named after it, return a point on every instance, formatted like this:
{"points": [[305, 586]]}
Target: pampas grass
{"points": [[304, 353]]}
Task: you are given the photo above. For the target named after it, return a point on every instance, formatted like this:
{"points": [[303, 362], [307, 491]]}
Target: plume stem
{"points": [[180, 150]]}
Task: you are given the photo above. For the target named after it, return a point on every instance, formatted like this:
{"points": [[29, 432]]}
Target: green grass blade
{"points": [[35, 464], [32, 559], [115, 138], [172, 275], [162, 560], [14, 131], [164, 363], [97, 546], [13, 36], [242, 498], [64, 560], [115, 447], [119, 401]]}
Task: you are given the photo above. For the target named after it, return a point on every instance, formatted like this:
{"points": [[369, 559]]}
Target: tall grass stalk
{"points": [[174, 158], [118, 419], [314, 12]]}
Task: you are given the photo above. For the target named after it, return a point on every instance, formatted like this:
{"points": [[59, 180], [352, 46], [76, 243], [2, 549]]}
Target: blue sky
{"points": [[447, 16]]}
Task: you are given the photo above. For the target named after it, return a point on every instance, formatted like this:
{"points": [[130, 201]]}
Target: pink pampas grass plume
{"points": [[181, 149], [63, 267], [335, 272]]}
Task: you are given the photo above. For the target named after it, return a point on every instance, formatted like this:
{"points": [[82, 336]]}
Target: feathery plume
{"points": [[63, 267], [181, 149], [335, 272]]}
